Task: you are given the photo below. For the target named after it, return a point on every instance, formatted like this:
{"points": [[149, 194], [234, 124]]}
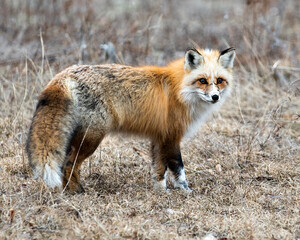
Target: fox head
{"points": [[208, 75]]}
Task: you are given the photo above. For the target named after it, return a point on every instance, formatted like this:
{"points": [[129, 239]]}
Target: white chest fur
{"points": [[199, 114]]}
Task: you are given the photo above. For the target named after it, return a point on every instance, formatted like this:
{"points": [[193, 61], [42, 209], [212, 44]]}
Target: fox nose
{"points": [[215, 97]]}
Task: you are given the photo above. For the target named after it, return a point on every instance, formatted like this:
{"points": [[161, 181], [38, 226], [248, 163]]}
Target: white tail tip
{"points": [[51, 175]]}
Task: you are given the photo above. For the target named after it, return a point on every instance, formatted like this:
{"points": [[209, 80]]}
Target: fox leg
{"points": [[175, 164], [159, 168], [82, 146], [168, 155]]}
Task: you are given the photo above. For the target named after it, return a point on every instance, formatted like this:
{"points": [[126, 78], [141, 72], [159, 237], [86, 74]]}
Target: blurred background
{"points": [[148, 32]]}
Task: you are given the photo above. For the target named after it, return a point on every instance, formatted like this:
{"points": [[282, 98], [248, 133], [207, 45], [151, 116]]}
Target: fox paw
{"points": [[160, 186], [182, 185], [73, 187]]}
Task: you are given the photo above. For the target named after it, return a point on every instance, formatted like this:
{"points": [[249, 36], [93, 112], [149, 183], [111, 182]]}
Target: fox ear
{"points": [[192, 59], [226, 57]]}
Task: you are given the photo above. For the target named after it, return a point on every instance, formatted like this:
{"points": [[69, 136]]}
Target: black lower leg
{"points": [[174, 162]]}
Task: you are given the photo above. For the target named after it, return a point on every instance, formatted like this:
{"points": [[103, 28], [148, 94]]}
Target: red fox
{"points": [[83, 103]]}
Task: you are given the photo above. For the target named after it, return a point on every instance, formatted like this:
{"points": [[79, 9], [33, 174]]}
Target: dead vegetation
{"points": [[243, 165]]}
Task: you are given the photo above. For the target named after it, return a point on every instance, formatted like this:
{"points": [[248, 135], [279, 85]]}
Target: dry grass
{"points": [[243, 165]]}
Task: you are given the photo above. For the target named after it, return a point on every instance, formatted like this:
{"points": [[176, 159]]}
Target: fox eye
{"points": [[203, 81], [220, 80]]}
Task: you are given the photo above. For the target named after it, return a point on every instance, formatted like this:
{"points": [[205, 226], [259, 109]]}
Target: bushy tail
{"points": [[50, 135]]}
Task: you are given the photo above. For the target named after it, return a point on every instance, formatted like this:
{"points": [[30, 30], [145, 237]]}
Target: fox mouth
{"points": [[212, 101], [207, 98]]}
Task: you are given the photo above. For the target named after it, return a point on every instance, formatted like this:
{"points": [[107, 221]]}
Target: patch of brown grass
{"points": [[243, 165]]}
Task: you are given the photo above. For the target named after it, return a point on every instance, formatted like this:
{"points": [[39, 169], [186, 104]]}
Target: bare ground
{"points": [[243, 165]]}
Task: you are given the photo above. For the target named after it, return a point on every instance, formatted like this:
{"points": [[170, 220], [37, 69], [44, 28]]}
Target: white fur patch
{"points": [[181, 178], [181, 182], [160, 185], [70, 84], [194, 126], [198, 114], [52, 176], [189, 94], [207, 51]]}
